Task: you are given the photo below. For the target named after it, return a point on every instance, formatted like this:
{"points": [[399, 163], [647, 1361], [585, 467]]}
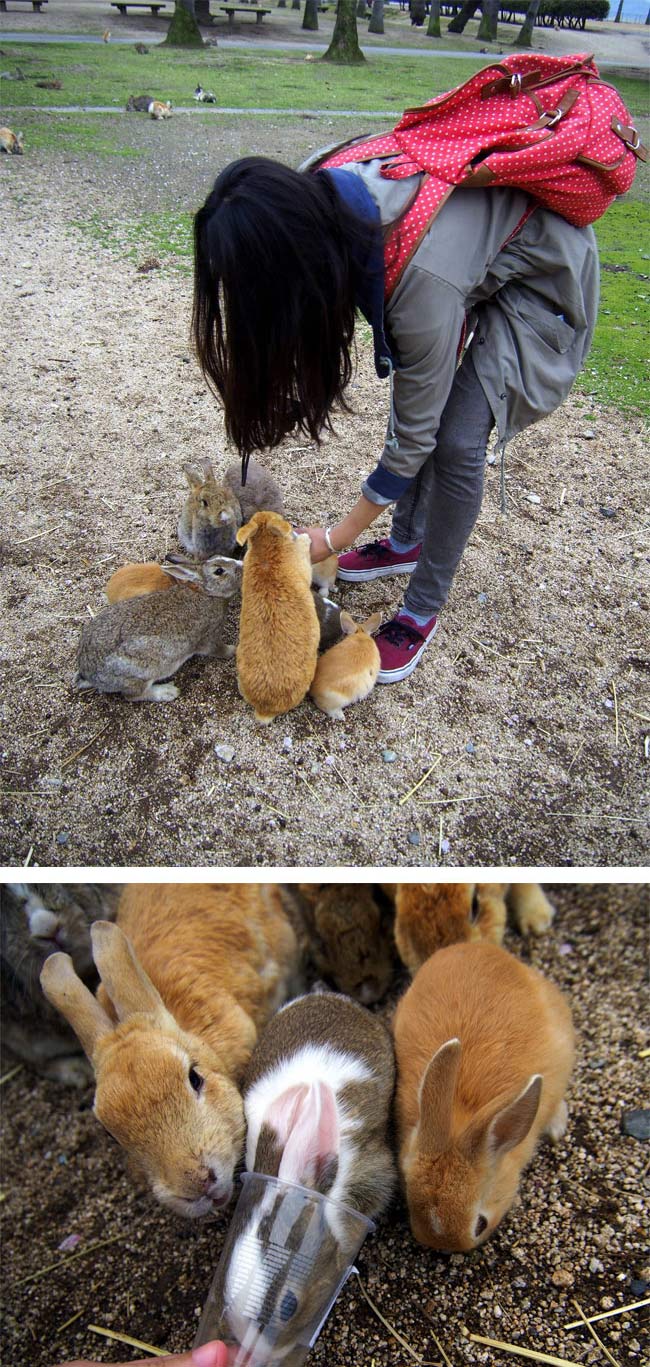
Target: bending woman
{"points": [[283, 261]]}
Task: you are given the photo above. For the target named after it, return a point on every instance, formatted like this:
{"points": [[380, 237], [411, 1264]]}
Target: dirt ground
{"points": [[527, 719], [576, 1234]]}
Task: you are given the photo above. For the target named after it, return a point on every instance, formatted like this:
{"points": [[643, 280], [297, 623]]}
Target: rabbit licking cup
{"points": [[174, 1023], [484, 1049]]}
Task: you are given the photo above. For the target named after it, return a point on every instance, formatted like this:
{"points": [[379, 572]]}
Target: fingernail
{"points": [[208, 1355]]}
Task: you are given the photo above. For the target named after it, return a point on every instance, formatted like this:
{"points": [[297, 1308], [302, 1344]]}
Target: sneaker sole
{"points": [[361, 576], [389, 676]]}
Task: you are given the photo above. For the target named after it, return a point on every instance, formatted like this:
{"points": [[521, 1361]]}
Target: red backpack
{"points": [[547, 125]]}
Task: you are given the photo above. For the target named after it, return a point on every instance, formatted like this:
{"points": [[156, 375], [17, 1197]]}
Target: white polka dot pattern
{"points": [[499, 129]]}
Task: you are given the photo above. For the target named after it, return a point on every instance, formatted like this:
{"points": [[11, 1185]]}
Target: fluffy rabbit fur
{"points": [[213, 512], [429, 916], [36, 921], [279, 631], [347, 934], [348, 672], [189, 975], [484, 1053], [317, 1096], [131, 645]]}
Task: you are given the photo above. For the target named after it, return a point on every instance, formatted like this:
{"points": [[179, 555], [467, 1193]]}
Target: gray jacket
{"points": [[533, 303]]}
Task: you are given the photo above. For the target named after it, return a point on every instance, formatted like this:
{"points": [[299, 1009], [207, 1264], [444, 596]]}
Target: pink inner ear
{"points": [[306, 1121]]}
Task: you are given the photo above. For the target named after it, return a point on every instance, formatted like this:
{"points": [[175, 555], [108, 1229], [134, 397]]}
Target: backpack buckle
{"points": [[555, 116]]}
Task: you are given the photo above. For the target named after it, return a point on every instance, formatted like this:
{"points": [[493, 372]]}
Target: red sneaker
{"points": [[376, 559], [401, 643]]}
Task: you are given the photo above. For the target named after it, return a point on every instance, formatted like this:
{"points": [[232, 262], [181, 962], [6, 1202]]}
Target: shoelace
{"points": [[400, 634], [374, 548]]}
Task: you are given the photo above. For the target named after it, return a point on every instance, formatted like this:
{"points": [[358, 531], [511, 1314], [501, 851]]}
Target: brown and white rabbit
{"points": [[484, 1049], [214, 510], [131, 645], [429, 916], [36, 921], [11, 142], [160, 109], [317, 1098], [348, 935], [348, 671], [189, 975], [323, 574], [278, 630]]}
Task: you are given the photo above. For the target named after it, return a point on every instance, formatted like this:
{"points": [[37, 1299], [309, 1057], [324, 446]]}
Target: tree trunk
{"points": [[433, 27], [344, 47], [487, 29], [310, 17], [467, 11], [376, 24], [184, 30], [525, 35], [362, 9], [295, 4], [619, 12], [417, 11], [282, 4]]}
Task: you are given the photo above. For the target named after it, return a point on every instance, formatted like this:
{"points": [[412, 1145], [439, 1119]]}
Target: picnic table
{"points": [[124, 5], [232, 10], [35, 4]]}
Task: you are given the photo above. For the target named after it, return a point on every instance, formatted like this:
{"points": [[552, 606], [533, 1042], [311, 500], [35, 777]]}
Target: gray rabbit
{"points": [[213, 512], [134, 643]]}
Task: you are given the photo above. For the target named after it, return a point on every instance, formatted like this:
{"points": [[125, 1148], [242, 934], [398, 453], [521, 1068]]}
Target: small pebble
{"points": [[636, 1124], [445, 846], [533, 498], [287, 743], [596, 1265], [70, 1243], [470, 747], [607, 512], [414, 837], [588, 435], [388, 756], [225, 752], [63, 838], [482, 598], [639, 1287], [562, 1277]]}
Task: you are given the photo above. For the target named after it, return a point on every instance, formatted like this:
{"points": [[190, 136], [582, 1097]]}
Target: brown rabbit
{"points": [[347, 931], [214, 510], [429, 916], [484, 1050], [348, 671], [279, 631], [174, 1023]]}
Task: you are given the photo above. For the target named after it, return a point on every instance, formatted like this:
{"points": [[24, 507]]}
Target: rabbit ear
{"points": [[192, 477], [348, 624], [306, 1121], [206, 463], [245, 532], [437, 1098], [184, 574], [498, 1133], [72, 998], [127, 984], [372, 624]]}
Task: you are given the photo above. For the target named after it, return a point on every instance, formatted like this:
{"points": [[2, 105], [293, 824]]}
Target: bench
{"points": [[124, 5], [232, 10], [35, 4]]}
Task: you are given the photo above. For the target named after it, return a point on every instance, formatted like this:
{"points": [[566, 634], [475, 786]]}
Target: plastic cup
{"points": [[287, 1254]]}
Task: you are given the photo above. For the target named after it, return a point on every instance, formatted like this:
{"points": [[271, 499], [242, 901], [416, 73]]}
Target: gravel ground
{"points": [[576, 1234], [529, 713]]}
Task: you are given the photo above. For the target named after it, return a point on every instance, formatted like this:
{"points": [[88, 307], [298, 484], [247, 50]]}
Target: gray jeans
{"points": [[441, 506]]}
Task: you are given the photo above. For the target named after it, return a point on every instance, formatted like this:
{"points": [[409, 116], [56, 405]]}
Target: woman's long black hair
{"points": [[274, 299]]}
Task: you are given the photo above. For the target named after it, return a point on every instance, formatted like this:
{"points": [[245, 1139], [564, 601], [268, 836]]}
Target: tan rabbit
{"points": [[136, 579], [323, 574], [484, 1050], [279, 631], [130, 646], [214, 510], [190, 974], [348, 672], [429, 916], [11, 142], [160, 109]]}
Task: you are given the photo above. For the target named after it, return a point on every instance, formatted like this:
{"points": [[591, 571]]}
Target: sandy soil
{"points": [[528, 714], [577, 1233]]}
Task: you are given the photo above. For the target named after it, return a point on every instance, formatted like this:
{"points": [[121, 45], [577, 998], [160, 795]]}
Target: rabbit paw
{"points": [[557, 1124], [533, 911], [162, 692]]}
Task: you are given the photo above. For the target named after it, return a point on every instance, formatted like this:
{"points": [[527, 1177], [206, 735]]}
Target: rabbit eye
{"points": [[195, 1080], [481, 1226], [204, 502], [219, 570], [475, 909], [288, 1307]]}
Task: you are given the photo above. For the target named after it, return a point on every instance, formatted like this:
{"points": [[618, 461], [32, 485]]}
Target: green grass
{"points": [[617, 370], [166, 236]]}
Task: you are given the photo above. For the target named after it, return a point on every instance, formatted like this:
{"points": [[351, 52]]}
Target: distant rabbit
{"points": [[429, 916], [106, 35], [37, 920], [348, 672], [278, 632], [348, 934], [190, 974], [11, 142], [204, 96], [139, 103], [131, 645], [323, 574], [160, 109], [484, 1050], [214, 511], [141, 49]]}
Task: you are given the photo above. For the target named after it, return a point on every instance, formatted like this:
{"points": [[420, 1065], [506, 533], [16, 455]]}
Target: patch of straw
{"points": [[126, 1338], [424, 778], [70, 1321], [12, 1073], [391, 1328], [83, 748], [521, 1352], [63, 1262], [595, 1337], [607, 1314]]}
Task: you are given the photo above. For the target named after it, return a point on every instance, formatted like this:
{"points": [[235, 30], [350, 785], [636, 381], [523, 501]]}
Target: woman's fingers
{"points": [[208, 1355]]}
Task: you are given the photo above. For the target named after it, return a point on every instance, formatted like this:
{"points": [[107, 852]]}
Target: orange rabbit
{"points": [[429, 916], [484, 1049]]}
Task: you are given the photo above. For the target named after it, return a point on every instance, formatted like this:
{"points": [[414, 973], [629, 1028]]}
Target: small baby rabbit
{"points": [[213, 512], [278, 631], [348, 672], [429, 916], [348, 933], [323, 574], [131, 644], [36, 921], [484, 1050], [174, 1023]]}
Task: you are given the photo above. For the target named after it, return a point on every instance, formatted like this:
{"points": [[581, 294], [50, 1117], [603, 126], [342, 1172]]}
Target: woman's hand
{"points": [[208, 1355], [319, 547]]}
